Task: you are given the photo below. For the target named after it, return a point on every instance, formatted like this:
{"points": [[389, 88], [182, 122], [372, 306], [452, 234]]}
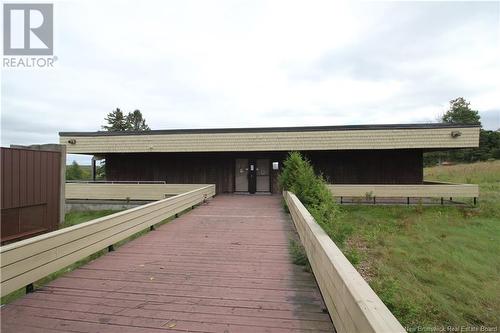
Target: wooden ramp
{"points": [[223, 267]]}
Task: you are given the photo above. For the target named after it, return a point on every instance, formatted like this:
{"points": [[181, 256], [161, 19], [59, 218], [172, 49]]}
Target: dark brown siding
{"points": [[30, 193], [370, 166], [343, 167]]}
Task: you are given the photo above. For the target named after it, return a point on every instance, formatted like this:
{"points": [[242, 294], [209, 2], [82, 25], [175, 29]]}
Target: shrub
{"points": [[298, 176]]}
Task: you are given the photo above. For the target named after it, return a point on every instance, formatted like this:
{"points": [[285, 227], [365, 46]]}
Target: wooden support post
{"points": [[341, 200], [408, 200], [111, 248], [475, 201], [94, 169], [374, 201], [442, 201], [30, 288]]}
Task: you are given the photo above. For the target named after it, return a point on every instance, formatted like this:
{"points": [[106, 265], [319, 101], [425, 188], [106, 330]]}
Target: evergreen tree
{"points": [[136, 122], [461, 113], [116, 121]]}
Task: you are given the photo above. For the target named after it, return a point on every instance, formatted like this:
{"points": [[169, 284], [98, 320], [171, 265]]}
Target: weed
{"points": [[299, 256]]}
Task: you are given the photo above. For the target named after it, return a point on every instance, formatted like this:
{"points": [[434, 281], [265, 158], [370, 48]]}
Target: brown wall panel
{"points": [[37, 197], [6, 179], [370, 167], [14, 175], [30, 192], [341, 167]]}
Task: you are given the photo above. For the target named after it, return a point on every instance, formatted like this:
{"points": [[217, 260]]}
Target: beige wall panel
{"points": [[276, 141]]}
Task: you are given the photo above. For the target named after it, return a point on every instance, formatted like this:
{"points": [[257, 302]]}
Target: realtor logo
{"points": [[28, 29]]}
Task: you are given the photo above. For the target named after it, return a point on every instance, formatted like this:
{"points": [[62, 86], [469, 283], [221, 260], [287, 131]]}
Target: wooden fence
{"points": [[100, 191], [30, 192], [427, 190], [25, 262], [352, 304]]}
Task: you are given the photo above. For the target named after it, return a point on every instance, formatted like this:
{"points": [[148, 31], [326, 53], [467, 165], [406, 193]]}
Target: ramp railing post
{"points": [[30, 288]]}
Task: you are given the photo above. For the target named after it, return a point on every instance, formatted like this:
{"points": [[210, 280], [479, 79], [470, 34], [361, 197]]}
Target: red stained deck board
{"points": [[223, 267]]}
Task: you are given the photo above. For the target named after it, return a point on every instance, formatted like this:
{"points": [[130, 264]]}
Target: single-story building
{"points": [[249, 159]]}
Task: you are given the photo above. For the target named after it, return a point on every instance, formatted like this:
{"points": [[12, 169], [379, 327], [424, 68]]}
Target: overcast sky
{"points": [[201, 64]]}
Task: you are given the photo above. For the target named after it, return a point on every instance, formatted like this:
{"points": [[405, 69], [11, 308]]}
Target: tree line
{"points": [[118, 121]]}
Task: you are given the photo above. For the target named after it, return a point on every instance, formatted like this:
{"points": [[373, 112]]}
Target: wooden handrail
{"points": [[125, 191], [352, 304], [27, 261], [428, 190]]}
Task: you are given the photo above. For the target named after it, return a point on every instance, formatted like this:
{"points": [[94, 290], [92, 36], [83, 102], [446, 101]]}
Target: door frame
{"points": [[253, 158]]}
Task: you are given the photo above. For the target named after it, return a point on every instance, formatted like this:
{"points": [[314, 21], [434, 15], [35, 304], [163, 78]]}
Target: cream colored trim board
{"points": [[352, 304], [104, 191], [275, 141], [407, 190]]}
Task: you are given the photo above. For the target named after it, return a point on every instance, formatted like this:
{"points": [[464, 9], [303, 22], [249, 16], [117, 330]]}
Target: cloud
{"points": [[193, 64]]}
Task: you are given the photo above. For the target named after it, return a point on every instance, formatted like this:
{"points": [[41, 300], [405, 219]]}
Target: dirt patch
{"points": [[365, 266]]}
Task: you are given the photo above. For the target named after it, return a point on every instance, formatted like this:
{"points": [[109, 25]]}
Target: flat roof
{"points": [[271, 129]]}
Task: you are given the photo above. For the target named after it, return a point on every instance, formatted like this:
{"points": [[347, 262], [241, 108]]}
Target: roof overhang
{"points": [[403, 136]]}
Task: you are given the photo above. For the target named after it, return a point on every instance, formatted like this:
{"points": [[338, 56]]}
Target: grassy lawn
{"points": [[434, 265]]}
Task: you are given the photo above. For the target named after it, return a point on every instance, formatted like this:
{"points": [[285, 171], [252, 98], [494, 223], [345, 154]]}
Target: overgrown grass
{"points": [[74, 218], [299, 256], [434, 265]]}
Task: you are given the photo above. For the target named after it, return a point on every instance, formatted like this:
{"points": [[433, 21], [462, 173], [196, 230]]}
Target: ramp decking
{"points": [[223, 267]]}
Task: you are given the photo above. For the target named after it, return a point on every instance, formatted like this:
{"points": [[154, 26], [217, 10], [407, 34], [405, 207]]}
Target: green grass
{"points": [[74, 218], [434, 265], [297, 251]]}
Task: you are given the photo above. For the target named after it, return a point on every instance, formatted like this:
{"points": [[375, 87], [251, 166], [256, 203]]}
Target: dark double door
{"points": [[252, 175]]}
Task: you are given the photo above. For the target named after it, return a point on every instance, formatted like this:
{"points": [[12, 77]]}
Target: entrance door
{"points": [[252, 176], [263, 181], [241, 175]]}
